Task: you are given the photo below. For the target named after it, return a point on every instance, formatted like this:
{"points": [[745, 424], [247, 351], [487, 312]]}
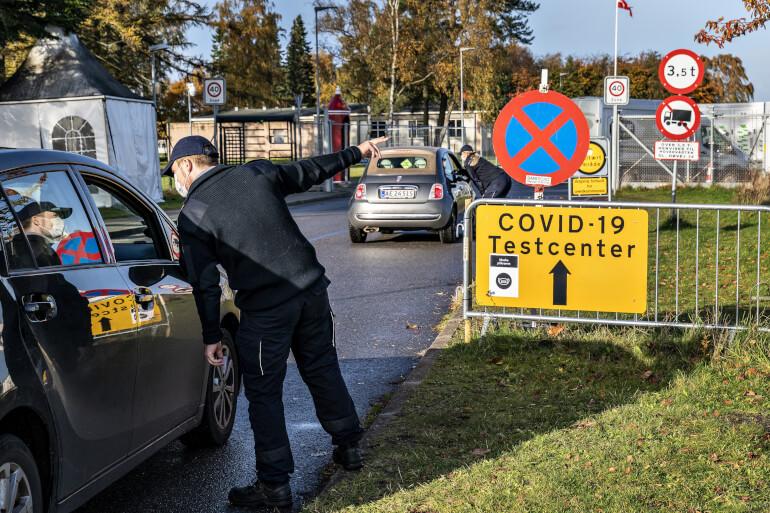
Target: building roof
{"points": [[61, 67], [279, 114]]}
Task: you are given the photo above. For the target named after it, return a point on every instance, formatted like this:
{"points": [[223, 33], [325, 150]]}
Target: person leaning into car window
{"points": [[491, 180], [237, 217], [43, 224]]}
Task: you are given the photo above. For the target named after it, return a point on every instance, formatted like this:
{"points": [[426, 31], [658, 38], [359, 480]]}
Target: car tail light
{"points": [[361, 192], [436, 192]]}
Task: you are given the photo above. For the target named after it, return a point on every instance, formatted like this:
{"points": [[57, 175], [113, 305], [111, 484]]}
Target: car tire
{"points": [[16, 460], [222, 391], [448, 234], [357, 235]]}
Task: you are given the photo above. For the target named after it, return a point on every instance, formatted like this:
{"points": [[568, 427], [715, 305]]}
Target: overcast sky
{"points": [[585, 27]]}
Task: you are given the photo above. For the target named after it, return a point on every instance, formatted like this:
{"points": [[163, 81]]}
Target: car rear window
{"points": [[389, 165]]}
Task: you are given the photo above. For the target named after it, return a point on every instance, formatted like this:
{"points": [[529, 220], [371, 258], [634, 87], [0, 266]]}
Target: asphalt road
{"points": [[380, 291]]}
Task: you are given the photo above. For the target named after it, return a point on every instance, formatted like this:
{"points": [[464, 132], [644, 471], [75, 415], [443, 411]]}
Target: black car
{"points": [[101, 360]]}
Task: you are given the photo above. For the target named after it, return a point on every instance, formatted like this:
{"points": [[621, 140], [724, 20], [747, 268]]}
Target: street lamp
{"points": [[561, 75], [153, 50], [462, 93], [319, 144], [190, 94]]}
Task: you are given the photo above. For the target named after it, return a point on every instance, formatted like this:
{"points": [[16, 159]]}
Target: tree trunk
{"points": [[443, 119], [426, 113]]}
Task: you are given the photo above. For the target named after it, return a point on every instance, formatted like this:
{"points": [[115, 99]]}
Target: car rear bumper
{"points": [[431, 215]]}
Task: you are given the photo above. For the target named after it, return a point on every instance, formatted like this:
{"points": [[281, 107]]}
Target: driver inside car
{"points": [[43, 225]]}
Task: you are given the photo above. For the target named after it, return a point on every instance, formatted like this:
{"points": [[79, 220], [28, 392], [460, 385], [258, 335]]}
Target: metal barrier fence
{"points": [[732, 149], [708, 266]]}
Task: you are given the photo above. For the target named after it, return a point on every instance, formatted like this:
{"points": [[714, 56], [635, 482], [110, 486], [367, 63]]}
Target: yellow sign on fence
{"points": [[589, 186], [592, 259]]}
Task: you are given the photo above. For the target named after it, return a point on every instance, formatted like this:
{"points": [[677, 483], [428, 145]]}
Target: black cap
{"points": [[466, 147], [33, 208], [187, 146]]}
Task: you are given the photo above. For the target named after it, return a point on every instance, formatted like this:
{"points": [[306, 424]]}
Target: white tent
{"points": [[63, 98]]}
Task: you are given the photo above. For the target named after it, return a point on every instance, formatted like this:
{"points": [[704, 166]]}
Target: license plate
{"points": [[397, 193]]}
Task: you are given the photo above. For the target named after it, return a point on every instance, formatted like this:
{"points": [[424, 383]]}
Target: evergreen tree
{"points": [[299, 69], [247, 52]]}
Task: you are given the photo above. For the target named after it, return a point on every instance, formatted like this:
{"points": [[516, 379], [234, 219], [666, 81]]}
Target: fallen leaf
{"points": [[555, 330], [611, 469], [714, 457], [630, 459], [627, 470], [646, 375], [728, 402], [666, 402], [497, 360], [411, 326], [585, 423], [479, 452]]}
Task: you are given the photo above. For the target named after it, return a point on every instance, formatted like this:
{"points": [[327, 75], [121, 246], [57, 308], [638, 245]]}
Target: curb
{"points": [[403, 391]]}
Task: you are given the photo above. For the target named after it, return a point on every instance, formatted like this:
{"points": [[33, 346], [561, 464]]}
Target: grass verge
{"points": [[576, 421]]}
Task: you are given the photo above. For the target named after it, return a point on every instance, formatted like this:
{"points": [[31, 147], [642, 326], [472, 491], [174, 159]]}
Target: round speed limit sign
{"points": [[681, 71]]}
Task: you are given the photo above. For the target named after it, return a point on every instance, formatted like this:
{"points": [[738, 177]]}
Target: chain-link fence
{"points": [[732, 148]]}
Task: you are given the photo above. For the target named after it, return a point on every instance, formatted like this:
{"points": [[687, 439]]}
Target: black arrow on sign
{"points": [[106, 323], [560, 273]]}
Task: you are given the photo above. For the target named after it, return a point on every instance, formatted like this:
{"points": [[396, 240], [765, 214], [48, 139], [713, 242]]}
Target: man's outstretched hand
{"points": [[369, 149]]}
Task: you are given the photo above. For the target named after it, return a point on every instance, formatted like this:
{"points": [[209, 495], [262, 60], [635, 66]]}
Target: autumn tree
{"points": [[725, 81], [299, 69], [23, 21], [120, 33], [722, 31], [247, 51]]}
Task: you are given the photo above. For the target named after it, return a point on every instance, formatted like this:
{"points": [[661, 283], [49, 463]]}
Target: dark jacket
{"points": [[238, 217], [483, 172]]}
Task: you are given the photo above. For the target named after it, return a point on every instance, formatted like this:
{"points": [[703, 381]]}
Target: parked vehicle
{"points": [[410, 188], [102, 362]]}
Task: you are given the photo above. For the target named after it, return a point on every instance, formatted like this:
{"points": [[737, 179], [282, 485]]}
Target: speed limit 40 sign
{"points": [[616, 91], [214, 91]]}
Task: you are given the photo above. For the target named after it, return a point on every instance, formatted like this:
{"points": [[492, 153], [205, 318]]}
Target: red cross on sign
{"points": [[541, 139]]}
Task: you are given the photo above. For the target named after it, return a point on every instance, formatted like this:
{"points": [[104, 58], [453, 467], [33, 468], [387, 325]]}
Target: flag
{"points": [[623, 4]]}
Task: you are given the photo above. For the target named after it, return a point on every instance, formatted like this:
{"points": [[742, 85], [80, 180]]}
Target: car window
{"points": [[131, 225], [449, 170], [55, 229], [388, 165], [8, 230]]}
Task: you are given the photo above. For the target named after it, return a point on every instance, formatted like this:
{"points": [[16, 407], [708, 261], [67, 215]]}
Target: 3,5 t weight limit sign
{"points": [[681, 71]]}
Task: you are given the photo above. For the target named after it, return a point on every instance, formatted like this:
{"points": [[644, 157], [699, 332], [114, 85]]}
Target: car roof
{"points": [[16, 158], [421, 151]]}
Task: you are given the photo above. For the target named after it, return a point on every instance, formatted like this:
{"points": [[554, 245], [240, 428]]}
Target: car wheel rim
{"points": [[223, 391], [15, 492]]}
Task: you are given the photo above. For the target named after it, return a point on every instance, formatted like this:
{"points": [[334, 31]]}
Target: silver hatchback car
{"points": [[410, 188]]}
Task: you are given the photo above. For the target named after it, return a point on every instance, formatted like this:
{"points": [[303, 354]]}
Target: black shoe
{"points": [[349, 456], [261, 495]]}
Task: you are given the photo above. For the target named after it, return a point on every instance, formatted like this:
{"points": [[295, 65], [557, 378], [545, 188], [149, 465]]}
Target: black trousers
{"points": [[498, 188], [304, 324]]}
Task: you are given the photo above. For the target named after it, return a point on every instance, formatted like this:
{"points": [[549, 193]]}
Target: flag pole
{"points": [[615, 170]]}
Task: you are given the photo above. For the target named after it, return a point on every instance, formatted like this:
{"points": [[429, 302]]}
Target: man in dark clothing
{"points": [[491, 180], [43, 226], [237, 216]]}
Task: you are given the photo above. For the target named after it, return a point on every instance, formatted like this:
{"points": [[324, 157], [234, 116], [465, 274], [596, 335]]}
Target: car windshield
{"points": [[403, 163]]}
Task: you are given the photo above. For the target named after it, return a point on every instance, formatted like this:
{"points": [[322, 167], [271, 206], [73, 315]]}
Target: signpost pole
{"points": [[614, 156], [216, 111]]}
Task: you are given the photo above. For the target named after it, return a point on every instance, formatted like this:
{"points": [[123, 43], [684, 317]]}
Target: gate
{"points": [[707, 266], [732, 149], [232, 144]]}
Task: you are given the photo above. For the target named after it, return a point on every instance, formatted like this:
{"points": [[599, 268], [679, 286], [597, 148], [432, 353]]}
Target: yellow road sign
{"points": [[592, 259], [589, 186], [112, 314], [595, 159]]}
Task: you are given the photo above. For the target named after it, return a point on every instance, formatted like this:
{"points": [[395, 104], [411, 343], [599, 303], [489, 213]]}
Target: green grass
{"points": [[581, 421]]}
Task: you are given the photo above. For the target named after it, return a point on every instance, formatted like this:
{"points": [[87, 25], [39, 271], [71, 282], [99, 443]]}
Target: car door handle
{"points": [[144, 297], [40, 307]]}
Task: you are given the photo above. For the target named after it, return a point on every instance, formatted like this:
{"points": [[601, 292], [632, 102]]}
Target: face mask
{"points": [[55, 229], [179, 186]]}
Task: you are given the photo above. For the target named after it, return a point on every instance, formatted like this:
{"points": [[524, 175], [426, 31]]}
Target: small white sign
{"points": [[538, 180], [617, 91], [503, 275], [677, 150], [214, 91]]}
